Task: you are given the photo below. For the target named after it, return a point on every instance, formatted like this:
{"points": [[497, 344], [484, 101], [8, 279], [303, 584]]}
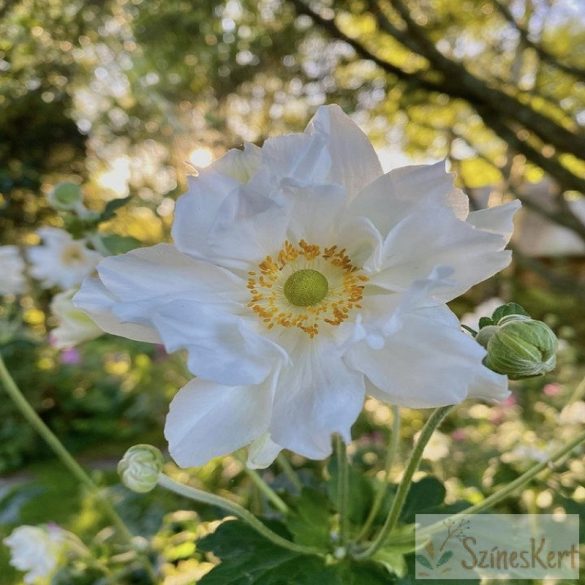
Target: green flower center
{"points": [[306, 287]]}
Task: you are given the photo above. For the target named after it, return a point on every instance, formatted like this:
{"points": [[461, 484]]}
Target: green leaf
{"points": [[409, 576], [120, 244], [249, 559], [485, 322], [424, 496], [113, 206], [508, 309], [310, 519], [391, 560], [401, 540]]}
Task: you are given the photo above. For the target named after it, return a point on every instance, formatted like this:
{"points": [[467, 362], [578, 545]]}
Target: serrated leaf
{"points": [[410, 577], [508, 309], [249, 559], [391, 560], [402, 540], [309, 521], [112, 206]]}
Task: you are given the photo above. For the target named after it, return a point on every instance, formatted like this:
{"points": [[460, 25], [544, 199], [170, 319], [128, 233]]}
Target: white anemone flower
{"points": [[36, 550], [74, 326], [300, 278], [61, 260], [12, 271]]}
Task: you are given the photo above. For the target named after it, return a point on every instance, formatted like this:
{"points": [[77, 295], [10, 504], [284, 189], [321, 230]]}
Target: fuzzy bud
{"points": [[519, 346], [140, 468]]}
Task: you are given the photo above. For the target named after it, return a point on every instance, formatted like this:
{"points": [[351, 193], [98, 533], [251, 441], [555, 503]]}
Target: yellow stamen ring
{"points": [[305, 286]]}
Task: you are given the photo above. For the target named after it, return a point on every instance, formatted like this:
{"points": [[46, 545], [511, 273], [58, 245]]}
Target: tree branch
{"points": [[484, 94], [543, 53]]}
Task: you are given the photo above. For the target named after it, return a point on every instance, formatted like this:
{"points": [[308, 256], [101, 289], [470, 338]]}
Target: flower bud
{"points": [[65, 197], [519, 347], [140, 468]]}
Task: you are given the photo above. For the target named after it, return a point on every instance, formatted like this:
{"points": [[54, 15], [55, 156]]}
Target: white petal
{"points": [[248, 227], [315, 212], [262, 452], [95, 299], [354, 162], [303, 157], [221, 346], [160, 273], [433, 237], [317, 396], [240, 165], [426, 362], [207, 420], [489, 386], [197, 209], [498, 220], [395, 195]]}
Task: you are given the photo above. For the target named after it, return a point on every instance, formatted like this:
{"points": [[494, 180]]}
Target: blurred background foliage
{"points": [[126, 97]]}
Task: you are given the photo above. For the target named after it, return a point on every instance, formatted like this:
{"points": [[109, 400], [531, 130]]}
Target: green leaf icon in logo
{"points": [[444, 558], [424, 562]]}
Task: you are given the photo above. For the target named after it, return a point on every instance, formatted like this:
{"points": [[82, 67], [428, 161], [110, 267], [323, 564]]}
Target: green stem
{"points": [[342, 488], [206, 498], [58, 448], [272, 496], [388, 463], [68, 461], [289, 471], [578, 393], [519, 482], [431, 425]]}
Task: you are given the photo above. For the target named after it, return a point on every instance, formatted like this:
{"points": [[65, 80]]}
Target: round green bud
{"points": [[306, 287], [65, 196], [519, 347], [140, 468]]}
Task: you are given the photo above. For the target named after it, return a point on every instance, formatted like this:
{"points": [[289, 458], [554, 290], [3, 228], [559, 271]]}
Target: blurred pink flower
{"points": [[70, 356], [552, 389], [510, 401], [459, 435]]}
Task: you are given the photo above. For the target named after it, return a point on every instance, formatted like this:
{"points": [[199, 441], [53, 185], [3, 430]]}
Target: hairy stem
{"points": [[431, 425], [270, 494], [342, 488], [289, 471], [231, 507], [389, 462], [518, 483], [66, 458]]}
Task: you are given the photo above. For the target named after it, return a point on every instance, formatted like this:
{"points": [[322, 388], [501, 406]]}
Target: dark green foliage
{"points": [[249, 559]]}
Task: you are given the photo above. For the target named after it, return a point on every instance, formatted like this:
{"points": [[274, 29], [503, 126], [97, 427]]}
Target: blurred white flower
{"points": [[61, 260], [36, 550], [437, 448], [525, 452], [12, 277], [302, 277], [74, 325], [573, 414], [484, 309]]}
